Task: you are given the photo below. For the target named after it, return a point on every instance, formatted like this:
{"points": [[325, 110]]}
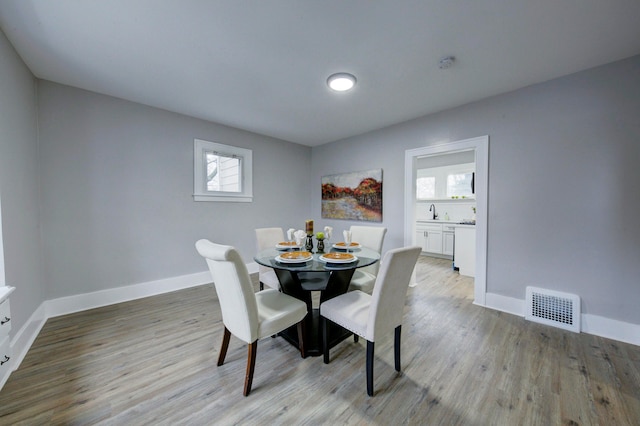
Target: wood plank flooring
{"points": [[153, 362]]}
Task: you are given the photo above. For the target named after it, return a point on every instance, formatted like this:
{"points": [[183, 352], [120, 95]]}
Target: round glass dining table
{"points": [[300, 279]]}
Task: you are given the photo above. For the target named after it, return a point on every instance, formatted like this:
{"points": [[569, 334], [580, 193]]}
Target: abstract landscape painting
{"points": [[353, 196]]}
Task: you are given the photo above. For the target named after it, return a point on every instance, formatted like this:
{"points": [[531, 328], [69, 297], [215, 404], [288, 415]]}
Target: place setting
{"points": [[347, 244], [295, 240], [294, 257]]}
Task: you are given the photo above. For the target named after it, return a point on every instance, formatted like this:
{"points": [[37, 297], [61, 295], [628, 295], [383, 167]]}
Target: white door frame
{"points": [[481, 147]]}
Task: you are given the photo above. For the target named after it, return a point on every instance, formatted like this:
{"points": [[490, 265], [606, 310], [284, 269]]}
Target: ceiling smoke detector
{"points": [[446, 62]]}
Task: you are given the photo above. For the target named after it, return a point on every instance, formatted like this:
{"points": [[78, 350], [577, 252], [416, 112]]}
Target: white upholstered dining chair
{"points": [[268, 238], [247, 315], [372, 316], [372, 238]]}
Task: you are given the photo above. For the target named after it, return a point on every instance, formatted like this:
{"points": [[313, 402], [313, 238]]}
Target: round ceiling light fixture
{"points": [[341, 82]]}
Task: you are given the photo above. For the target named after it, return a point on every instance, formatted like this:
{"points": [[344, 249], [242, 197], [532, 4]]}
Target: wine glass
{"points": [[347, 239]]}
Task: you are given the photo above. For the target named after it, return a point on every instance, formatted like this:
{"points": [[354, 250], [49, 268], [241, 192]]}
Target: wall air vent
{"points": [[553, 308]]}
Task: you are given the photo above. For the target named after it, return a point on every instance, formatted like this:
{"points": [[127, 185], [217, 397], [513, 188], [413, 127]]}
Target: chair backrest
{"points": [[372, 238], [390, 291], [267, 238], [234, 289]]}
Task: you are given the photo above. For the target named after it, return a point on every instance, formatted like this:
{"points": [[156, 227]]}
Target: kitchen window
{"points": [[454, 181], [460, 185], [222, 172], [426, 188]]}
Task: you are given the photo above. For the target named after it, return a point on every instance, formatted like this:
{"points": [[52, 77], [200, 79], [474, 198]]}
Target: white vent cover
{"points": [[553, 308]]}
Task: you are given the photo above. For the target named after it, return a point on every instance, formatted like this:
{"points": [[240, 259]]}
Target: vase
{"points": [[320, 246], [309, 245]]}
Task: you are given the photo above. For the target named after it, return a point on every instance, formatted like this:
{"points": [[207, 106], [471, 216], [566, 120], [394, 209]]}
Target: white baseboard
{"points": [[24, 338], [96, 299], [510, 305], [611, 329], [590, 324], [27, 334]]}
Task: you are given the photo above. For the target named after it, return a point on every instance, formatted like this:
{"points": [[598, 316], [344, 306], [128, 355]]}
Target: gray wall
{"points": [[563, 183], [117, 185], [113, 182], [19, 185]]}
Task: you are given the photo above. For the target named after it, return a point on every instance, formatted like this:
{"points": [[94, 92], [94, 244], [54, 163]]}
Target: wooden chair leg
{"points": [[301, 334], [225, 345], [370, 350], [396, 346], [325, 339], [251, 364]]}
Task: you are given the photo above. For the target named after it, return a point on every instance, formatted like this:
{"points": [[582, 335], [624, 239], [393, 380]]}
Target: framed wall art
{"points": [[353, 196]]}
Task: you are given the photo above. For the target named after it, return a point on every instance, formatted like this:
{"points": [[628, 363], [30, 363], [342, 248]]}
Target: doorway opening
{"points": [[480, 146]]}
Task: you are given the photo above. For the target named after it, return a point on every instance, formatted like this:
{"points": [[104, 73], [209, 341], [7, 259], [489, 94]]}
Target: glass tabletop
{"points": [[317, 263]]}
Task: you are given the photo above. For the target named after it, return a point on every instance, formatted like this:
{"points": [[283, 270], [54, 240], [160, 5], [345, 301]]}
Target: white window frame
{"points": [[200, 192], [441, 174]]}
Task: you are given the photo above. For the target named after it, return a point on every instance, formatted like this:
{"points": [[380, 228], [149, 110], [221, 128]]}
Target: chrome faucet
{"points": [[435, 215]]}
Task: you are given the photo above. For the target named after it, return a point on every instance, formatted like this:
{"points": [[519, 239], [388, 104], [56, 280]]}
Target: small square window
{"points": [[222, 172]]}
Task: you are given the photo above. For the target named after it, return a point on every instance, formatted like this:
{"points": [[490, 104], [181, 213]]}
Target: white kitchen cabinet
{"points": [[448, 239], [5, 347], [429, 237], [465, 250], [5, 327]]}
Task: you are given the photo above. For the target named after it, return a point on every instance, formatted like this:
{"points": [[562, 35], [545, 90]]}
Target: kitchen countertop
{"points": [[447, 222]]}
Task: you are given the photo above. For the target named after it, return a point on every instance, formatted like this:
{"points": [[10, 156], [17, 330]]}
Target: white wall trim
{"points": [[590, 324], [510, 305], [480, 145], [24, 338], [611, 329], [82, 302]]}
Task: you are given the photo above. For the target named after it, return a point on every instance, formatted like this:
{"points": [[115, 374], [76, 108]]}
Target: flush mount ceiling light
{"points": [[446, 62], [341, 82]]}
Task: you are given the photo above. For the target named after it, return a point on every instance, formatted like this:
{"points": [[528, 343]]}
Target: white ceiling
{"points": [[262, 65]]}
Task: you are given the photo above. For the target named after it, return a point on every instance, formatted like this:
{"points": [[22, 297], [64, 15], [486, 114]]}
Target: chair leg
{"points": [[396, 346], [225, 345], [370, 350], [355, 338], [301, 333], [251, 364], [261, 286], [325, 339]]}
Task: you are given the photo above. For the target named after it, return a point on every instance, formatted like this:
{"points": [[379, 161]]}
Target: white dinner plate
{"points": [[287, 245], [294, 257], [343, 246], [338, 258]]}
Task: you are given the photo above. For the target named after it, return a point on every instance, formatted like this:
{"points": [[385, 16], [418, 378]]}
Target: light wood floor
{"points": [[153, 362]]}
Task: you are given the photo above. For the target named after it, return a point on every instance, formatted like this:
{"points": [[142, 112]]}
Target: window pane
{"points": [[426, 188], [459, 185], [223, 172]]}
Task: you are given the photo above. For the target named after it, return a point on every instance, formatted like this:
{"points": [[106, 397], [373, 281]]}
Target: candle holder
{"points": [[320, 245], [309, 245]]}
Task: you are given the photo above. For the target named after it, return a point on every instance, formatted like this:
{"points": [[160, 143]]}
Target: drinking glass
{"points": [[347, 240]]}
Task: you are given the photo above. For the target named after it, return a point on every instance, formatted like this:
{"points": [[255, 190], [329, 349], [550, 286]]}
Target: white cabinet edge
{"points": [[5, 291]]}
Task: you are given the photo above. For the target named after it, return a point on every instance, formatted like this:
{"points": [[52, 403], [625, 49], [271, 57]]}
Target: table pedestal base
{"points": [[300, 285]]}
